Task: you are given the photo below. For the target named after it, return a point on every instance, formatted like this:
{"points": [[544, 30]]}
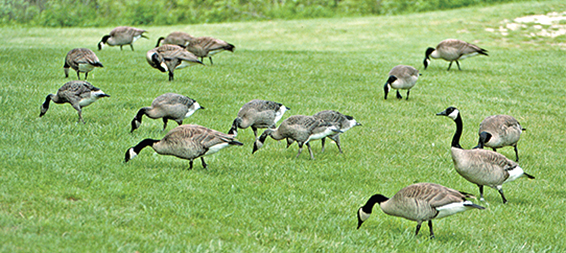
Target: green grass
{"points": [[64, 187]]}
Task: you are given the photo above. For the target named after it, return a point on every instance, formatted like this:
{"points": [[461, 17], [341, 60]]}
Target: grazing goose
{"points": [[77, 93], [167, 58], [299, 128], [81, 60], [208, 46], [181, 39], [452, 50], [187, 142], [343, 122], [499, 131], [480, 166], [420, 202], [258, 114], [401, 77], [122, 35], [169, 106]]}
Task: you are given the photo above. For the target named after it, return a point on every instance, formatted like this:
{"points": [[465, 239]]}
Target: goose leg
{"points": [[516, 153], [191, 164], [255, 131], [323, 140], [132, 47], [80, 111], [164, 124], [399, 95], [481, 192], [300, 149], [407, 98], [310, 150], [418, 228], [171, 76], [458, 63], [210, 58], [79, 77], [203, 163], [120, 47], [502, 196], [449, 65], [337, 140], [86, 75], [430, 226]]}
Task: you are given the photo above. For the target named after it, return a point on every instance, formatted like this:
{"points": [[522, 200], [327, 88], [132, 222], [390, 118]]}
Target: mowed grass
{"points": [[64, 186]]}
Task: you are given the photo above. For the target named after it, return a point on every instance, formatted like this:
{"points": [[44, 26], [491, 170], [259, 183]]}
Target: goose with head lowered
{"points": [[343, 122], [420, 202], [181, 39], [479, 166], [452, 50], [81, 60], [77, 93], [499, 131], [187, 142], [299, 128], [168, 58], [121, 36], [256, 114], [401, 77], [169, 106]]}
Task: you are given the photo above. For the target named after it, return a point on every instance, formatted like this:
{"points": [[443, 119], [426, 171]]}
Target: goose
{"points": [[258, 114], [480, 166], [81, 60], [401, 77], [420, 202], [343, 122], [122, 35], [499, 131], [181, 39], [77, 93], [299, 128], [167, 58], [208, 46], [169, 106], [187, 142], [452, 50]]}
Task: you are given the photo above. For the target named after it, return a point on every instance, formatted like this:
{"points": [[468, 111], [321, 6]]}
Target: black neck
{"points": [[143, 144], [140, 114], [458, 133], [377, 198]]}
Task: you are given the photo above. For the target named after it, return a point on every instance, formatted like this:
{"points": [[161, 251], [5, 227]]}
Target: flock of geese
{"points": [[418, 202]]}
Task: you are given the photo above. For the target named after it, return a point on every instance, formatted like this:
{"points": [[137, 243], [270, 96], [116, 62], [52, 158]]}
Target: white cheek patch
{"points": [[363, 215], [454, 114], [132, 153], [164, 66]]}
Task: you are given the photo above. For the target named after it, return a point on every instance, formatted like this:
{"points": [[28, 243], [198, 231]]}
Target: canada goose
{"points": [[452, 50], [167, 106], [420, 202], [258, 114], [167, 58], [81, 60], [208, 46], [499, 131], [187, 142], [343, 122], [122, 35], [299, 128], [77, 93], [401, 77], [480, 166], [181, 39]]}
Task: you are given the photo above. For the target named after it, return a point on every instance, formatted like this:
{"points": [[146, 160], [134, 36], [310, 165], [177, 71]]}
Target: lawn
{"points": [[64, 186]]}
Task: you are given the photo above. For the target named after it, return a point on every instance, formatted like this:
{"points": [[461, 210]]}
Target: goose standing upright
{"points": [[401, 77], [77, 93], [480, 166], [186, 142], [258, 114], [498, 131], [169, 106], [299, 128], [81, 60], [343, 122], [167, 58], [452, 50], [122, 35], [420, 202]]}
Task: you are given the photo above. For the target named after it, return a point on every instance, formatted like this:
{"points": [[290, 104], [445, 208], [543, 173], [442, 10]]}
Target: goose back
{"points": [[505, 130], [81, 60]]}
